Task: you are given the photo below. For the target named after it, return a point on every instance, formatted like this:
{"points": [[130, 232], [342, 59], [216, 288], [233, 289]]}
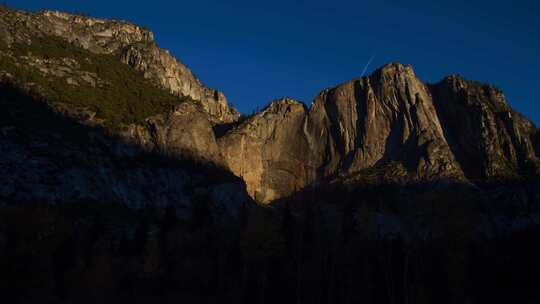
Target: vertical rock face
{"points": [[387, 117], [185, 132], [134, 45], [410, 131], [489, 139], [269, 151], [383, 119]]}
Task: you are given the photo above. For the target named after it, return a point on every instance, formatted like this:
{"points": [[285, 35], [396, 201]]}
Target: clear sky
{"points": [[256, 51]]}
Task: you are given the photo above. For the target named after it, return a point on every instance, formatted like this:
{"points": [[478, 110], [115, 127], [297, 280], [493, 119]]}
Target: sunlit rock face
{"points": [[269, 151], [133, 44], [409, 131], [184, 132], [388, 117], [159, 65]]}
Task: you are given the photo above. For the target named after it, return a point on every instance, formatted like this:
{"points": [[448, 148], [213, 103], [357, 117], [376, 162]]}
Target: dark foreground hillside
{"points": [[291, 254]]}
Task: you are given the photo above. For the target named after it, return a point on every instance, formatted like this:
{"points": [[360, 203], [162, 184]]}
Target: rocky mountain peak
{"points": [[122, 31], [476, 92], [394, 68], [283, 105], [97, 35]]}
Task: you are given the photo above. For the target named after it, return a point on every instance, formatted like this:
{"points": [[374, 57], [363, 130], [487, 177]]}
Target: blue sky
{"points": [[256, 51]]}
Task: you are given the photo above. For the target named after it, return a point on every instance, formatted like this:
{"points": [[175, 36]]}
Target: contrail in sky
{"points": [[367, 65]]}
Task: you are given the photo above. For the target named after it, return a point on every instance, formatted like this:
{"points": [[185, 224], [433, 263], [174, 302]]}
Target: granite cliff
{"points": [[390, 125], [390, 121], [133, 45]]}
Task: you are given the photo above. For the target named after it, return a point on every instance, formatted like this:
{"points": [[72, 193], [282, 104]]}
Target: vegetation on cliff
{"points": [[122, 96]]}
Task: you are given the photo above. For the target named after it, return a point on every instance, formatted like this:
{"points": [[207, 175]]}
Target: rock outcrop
{"points": [[185, 132], [269, 151], [390, 121], [488, 138], [159, 65], [385, 118], [134, 46]]}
